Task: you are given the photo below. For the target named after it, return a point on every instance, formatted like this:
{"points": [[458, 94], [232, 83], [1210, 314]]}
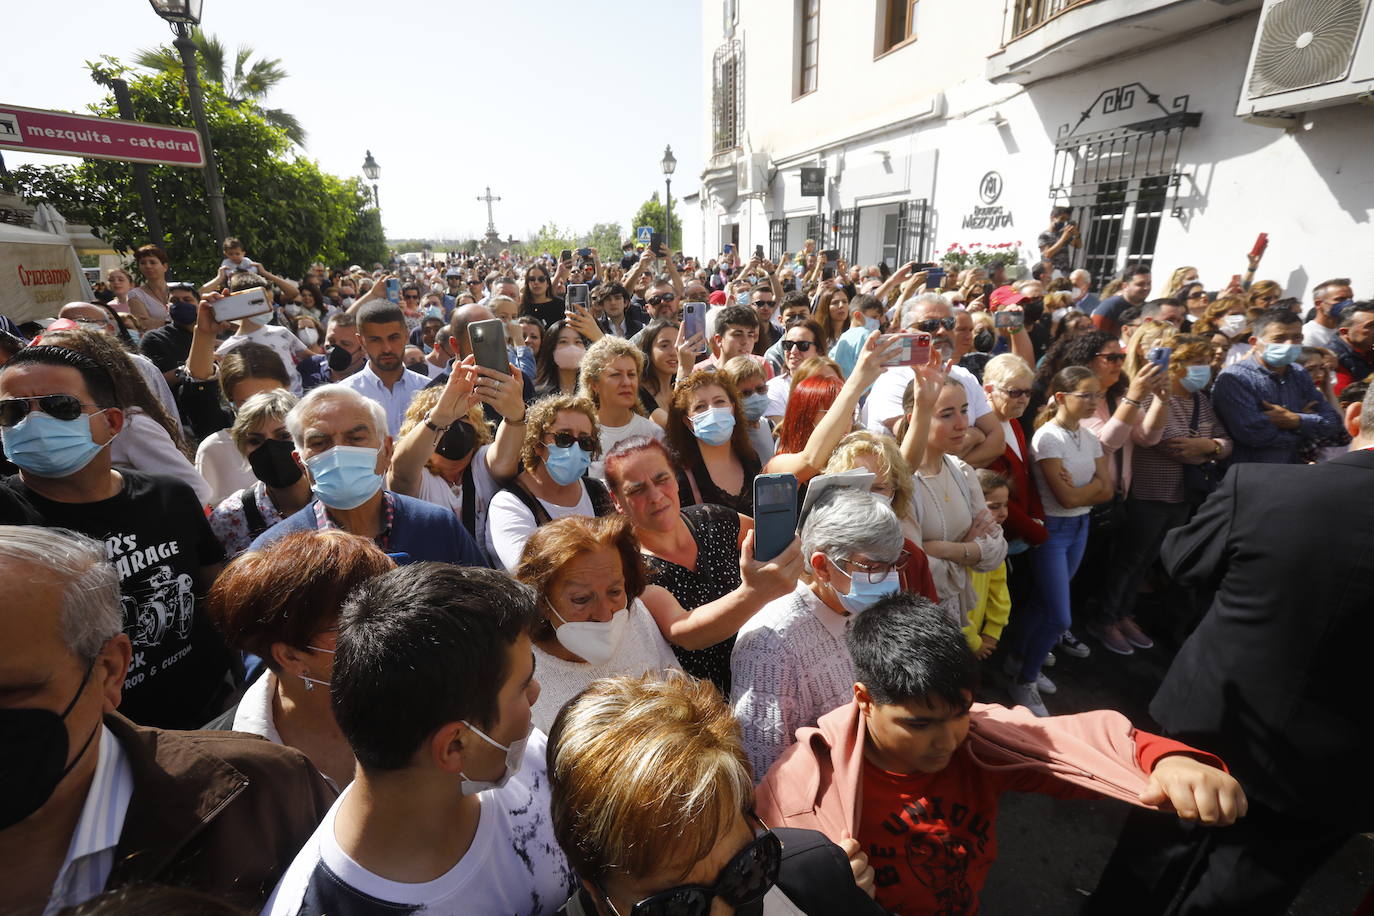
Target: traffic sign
{"points": [[644, 234], [38, 131]]}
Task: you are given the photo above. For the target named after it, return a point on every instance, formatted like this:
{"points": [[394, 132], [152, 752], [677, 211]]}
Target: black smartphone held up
{"points": [[578, 294], [565, 255], [775, 514], [758, 252], [935, 278], [488, 341], [883, 270], [694, 322], [656, 243], [584, 252]]}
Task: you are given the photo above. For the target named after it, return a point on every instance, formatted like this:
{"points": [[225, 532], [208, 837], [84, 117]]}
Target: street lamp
{"points": [[669, 163], [182, 15], [373, 171]]}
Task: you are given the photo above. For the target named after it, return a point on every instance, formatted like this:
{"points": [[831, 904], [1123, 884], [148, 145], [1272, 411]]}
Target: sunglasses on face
{"points": [[536, 279], [60, 406], [744, 880], [1113, 357], [659, 300], [1015, 392], [411, 296], [802, 345], [586, 442], [931, 325]]}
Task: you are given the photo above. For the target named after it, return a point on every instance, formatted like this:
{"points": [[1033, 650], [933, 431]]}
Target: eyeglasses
{"points": [[1085, 395], [764, 303], [876, 572], [660, 299], [586, 442], [535, 278], [745, 879], [1198, 294], [931, 325], [410, 296], [802, 345], [1112, 357], [1015, 393], [59, 406]]}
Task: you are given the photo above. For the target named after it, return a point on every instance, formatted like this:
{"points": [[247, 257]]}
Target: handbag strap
{"points": [[1197, 406]]}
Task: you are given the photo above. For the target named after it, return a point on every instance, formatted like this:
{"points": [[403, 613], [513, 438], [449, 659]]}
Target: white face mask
{"points": [[593, 641], [308, 336], [515, 757], [1231, 325]]}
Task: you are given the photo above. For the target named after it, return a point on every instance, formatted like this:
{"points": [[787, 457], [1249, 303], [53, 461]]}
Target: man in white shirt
{"points": [[932, 313], [385, 379], [94, 802], [1321, 331], [433, 685]]}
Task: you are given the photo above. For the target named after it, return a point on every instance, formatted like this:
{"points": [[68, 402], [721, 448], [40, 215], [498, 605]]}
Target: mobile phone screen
{"points": [[775, 514]]}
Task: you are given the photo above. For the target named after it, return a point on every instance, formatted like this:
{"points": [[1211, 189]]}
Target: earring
{"points": [[309, 683]]}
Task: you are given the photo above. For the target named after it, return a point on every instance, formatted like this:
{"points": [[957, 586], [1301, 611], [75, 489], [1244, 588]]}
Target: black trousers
{"points": [[1164, 867]]}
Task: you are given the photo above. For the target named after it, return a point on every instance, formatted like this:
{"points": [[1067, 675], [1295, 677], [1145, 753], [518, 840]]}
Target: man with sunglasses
{"points": [[58, 415], [932, 314], [433, 685], [453, 278], [681, 838]]}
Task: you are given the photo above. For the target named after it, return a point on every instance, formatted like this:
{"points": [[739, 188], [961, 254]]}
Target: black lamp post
{"points": [[182, 15], [373, 171], [669, 163]]}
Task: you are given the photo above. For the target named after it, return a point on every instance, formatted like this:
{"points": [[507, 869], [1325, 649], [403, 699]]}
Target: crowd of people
{"points": [[318, 610]]}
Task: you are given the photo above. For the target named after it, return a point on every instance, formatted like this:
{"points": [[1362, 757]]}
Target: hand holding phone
{"points": [[915, 350], [243, 304], [488, 342], [1009, 319], [1160, 357], [775, 514], [694, 322]]}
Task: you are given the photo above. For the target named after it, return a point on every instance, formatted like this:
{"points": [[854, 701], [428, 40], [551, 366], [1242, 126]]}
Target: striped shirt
{"points": [[90, 856]]}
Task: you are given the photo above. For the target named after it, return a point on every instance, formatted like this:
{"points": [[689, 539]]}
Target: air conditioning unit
{"points": [[751, 173], [1308, 54]]}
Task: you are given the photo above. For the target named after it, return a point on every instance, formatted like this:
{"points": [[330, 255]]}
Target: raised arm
{"points": [[414, 449]]}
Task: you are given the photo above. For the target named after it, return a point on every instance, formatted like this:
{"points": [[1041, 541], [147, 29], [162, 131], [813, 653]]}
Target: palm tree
{"points": [[245, 83]]}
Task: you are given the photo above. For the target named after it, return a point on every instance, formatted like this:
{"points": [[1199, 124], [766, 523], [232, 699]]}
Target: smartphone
{"points": [[935, 276], [565, 255], [584, 252], [775, 514], [488, 341], [1235, 281], [694, 322], [243, 304], [393, 291], [1160, 357], [883, 270], [1009, 319], [1261, 243], [915, 350], [727, 248], [656, 242], [578, 295], [758, 252]]}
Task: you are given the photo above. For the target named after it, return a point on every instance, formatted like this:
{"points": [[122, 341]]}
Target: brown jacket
{"points": [[221, 812]]}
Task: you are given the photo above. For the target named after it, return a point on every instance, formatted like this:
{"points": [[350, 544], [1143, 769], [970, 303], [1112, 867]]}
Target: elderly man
{"points": [[385, 379], [789, 664], [343, 447], [932, 313], [59, 412], [94, 802], [1084, 299]]}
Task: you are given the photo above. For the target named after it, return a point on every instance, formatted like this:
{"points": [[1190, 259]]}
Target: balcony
{"points": [[1045, 38]]}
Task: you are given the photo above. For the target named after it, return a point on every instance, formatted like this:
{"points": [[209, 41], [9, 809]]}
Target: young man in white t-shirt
{"points": [[432, 686], [254, 330]]}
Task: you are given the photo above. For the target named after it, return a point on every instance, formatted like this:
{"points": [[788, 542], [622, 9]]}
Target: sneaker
{"points": [[1049, 659], [1073, 645], [1133, 634], [1028, 695], [1044, 684], [1111, 638]]}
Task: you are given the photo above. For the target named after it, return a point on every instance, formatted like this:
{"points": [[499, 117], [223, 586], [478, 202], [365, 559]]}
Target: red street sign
{"points": [[65, 134]]}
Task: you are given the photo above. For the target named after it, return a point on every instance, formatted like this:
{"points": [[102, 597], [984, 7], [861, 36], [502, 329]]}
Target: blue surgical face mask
{"points": [[714, 425], [48, 447], [1196, 378], [755, 405], [345, 477], [567, 464], [863, 594], [871, 323], [434, 312], [1279, 355]]}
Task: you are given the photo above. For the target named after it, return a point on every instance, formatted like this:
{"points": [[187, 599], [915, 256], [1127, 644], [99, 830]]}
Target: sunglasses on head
{"points": [[585, 441], [659, 300], [802, 345], [744, 881], [1113, 357], [60, 406], [931, 325]]}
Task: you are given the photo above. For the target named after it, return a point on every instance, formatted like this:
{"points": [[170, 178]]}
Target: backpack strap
{"points": [[469, 500], [251, 513], [528, 499]]}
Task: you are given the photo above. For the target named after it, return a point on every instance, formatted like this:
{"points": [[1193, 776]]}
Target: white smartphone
{"points": [[243, 304]]}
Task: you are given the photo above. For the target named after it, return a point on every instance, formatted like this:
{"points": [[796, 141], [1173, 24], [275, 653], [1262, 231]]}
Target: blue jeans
{"points": [[1054, 562]]}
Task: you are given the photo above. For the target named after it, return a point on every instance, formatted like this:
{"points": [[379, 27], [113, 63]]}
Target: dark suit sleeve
{"points": [[815, 875], [1195, 554]]}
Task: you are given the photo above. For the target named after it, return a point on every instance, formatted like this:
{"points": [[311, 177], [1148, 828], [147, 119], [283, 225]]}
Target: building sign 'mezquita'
{"points": [[989, 215]]}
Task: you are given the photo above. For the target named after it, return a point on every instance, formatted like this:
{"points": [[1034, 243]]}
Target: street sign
{"points": [[37, 131], [644, 234], [813, 182]]}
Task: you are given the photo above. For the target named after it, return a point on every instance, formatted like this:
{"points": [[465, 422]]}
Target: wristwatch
{"points": [[438, 429]]}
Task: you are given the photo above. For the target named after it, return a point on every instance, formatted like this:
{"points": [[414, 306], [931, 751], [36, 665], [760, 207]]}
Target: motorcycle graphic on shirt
{"points": [[166, 605]]}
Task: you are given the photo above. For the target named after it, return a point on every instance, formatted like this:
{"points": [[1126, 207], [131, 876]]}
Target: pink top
{"points": [[1114, 435]]}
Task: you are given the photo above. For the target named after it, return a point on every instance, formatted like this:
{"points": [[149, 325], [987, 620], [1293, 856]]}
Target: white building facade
{"points": [[943, 122]]}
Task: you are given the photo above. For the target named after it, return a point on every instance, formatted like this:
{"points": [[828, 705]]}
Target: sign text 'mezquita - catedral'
{"points": [[65, 134]]}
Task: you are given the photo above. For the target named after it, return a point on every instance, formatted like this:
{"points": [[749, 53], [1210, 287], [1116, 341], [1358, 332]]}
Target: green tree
{"points": [[553, 239], [651, 214], [244, 83], [606, 238], [287, 211]]}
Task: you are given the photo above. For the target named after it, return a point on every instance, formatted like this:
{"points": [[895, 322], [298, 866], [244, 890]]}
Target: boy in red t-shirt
{"points": [[913, 769]]}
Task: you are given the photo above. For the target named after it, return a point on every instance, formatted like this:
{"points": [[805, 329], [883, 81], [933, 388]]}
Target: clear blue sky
{"points": [[564, 109]]}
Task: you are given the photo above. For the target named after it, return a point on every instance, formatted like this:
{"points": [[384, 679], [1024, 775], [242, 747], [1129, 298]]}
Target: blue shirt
{"points": [[422, 530], [1237, 397], [394, 400]]}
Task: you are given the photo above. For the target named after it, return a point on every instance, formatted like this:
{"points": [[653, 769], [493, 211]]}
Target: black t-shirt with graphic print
{"points": [[156, 535]]}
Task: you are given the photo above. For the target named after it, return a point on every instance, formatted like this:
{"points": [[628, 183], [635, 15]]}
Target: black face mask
{"points": [[1033, 309], [457, 443], [339, 358], [34, 761], [983, 341], [273, 465]]}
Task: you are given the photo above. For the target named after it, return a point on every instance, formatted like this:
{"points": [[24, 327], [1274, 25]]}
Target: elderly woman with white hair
{"points": [[789, 665], [342, 445]]}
